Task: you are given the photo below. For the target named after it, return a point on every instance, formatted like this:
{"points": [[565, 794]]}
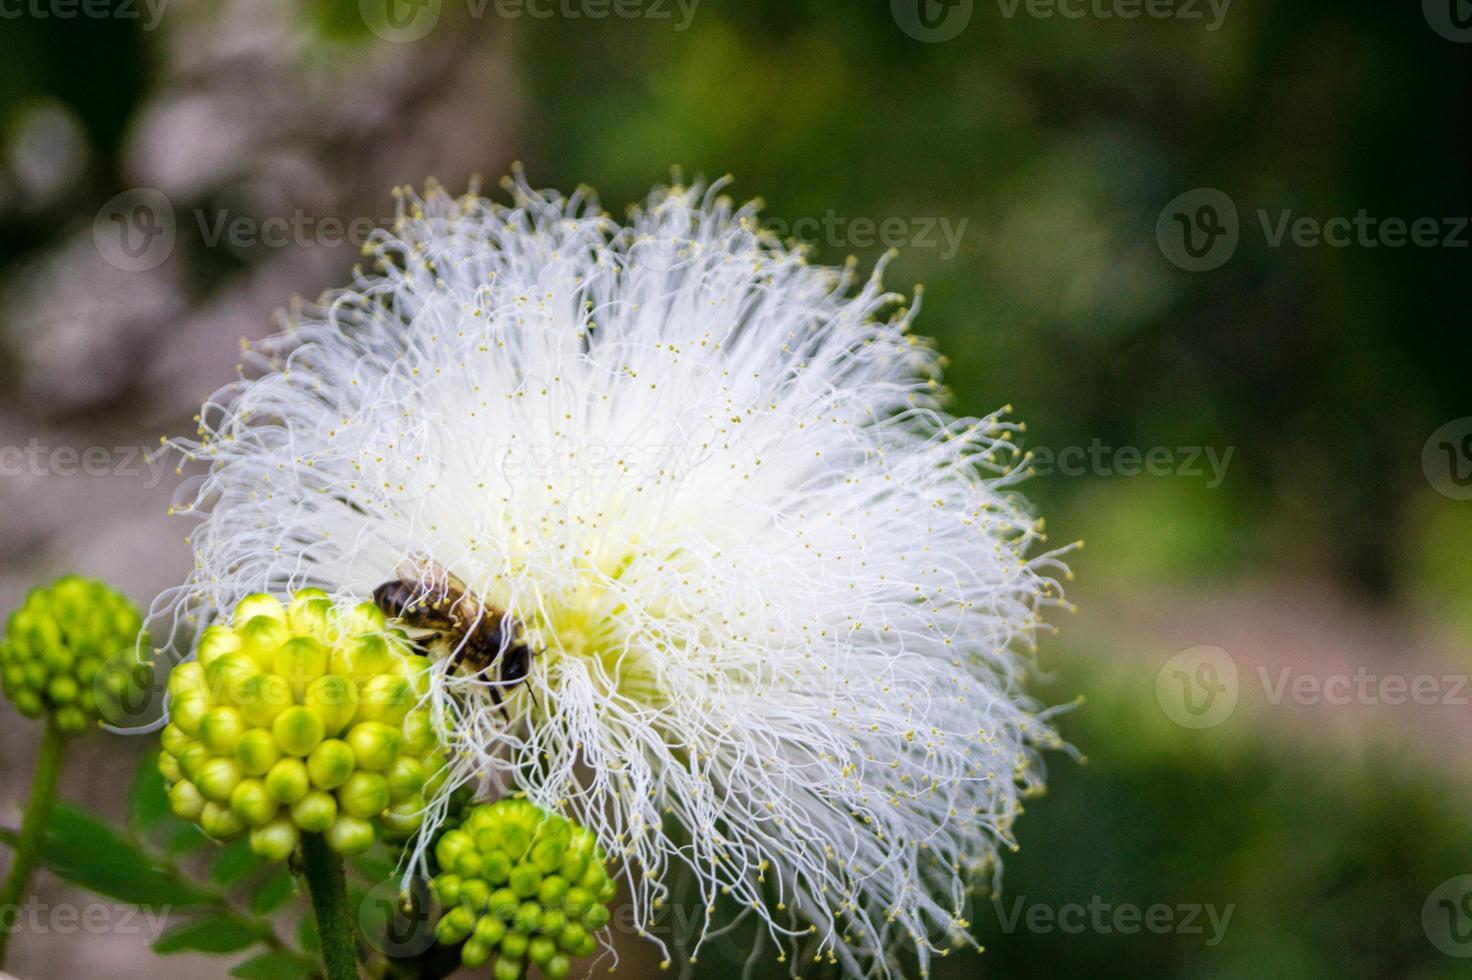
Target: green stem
{"points": [[33, 826], [327, 884]]}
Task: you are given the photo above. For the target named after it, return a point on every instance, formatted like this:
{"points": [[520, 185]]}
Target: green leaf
{"points": [[149, 801], [273, 966], [187, 839], [207, 934], [272, 893], [97, 856], [233, 863]]}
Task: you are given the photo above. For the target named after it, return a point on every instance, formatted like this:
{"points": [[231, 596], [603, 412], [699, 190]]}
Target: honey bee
{"points": [[426, 597]]}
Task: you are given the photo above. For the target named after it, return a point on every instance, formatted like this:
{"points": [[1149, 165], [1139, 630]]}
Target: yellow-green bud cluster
{"points": [[297, 718], [57, 643], [522, 885]]}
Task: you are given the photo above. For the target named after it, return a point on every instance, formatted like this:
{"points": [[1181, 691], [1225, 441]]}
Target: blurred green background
{"points": [[1049, 146]]}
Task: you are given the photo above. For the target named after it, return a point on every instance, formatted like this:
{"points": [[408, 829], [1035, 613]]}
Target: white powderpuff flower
{"points": [[781, 604]]}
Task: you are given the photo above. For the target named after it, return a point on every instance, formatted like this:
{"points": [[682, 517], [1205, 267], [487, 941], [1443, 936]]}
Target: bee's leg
{"points": [[495, 690]]}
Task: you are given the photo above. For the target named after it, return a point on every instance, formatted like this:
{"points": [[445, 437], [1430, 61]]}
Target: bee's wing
{"points": [[419, 568]]}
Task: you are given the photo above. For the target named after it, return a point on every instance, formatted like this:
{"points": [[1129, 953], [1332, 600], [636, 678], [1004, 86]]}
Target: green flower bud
{"points": [[405, 778], [218, 778], [310, 613], [387, 699], [301, 660], [497, 867], [552, 891], [257, 752], [221, 729], [260, 637], [503, 904], [213, 642], [455, 925], [330, 764], [334, 699], [540, 950], [252, 804], [557, 967], [173, 739], [364, 656], [475, 953], [552, 921], [168, 767], [490, 930], [193, 758], [287, 781], [419, 735], [475, 894], [220, 822], [298, 730], [188, 712], [507, 969], [259, 604], [350, 835], [314, 812], [596, 917], [514, 945], [71, 720], [446, 889], [227, 675], [403, 818], [185, 801], [375, 744], [364, 795], [263, 697], [276, 840], [525, 880], [528, 918], [54, 646]]}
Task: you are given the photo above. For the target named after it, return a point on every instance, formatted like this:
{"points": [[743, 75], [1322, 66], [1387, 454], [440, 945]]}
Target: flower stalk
{"points": [[33, 826], [327, 885]]}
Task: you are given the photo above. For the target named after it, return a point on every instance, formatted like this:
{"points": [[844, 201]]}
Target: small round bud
{"points": [[490, 930], [213, 642], [287, 781], [350, 835], [507, 969], [330, 764], [173, 739], [455, 925], [540, 950], [364, 795], [301, 660], [419, 734], [334, 699], [446, 889], [525, 880], [552, 890], [185, 801], [497, 866], [387, 698], [315, 812], [514, 945], [260, 637], [375, 744], [475, 953], [263, 697], [275, 841], [557, 967], [218, 778], [252, 804], [475, 894], [257, 752], [220, 822], [187, 712], [221, 728], [405, 778], [298, 730], [528, 917]]}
